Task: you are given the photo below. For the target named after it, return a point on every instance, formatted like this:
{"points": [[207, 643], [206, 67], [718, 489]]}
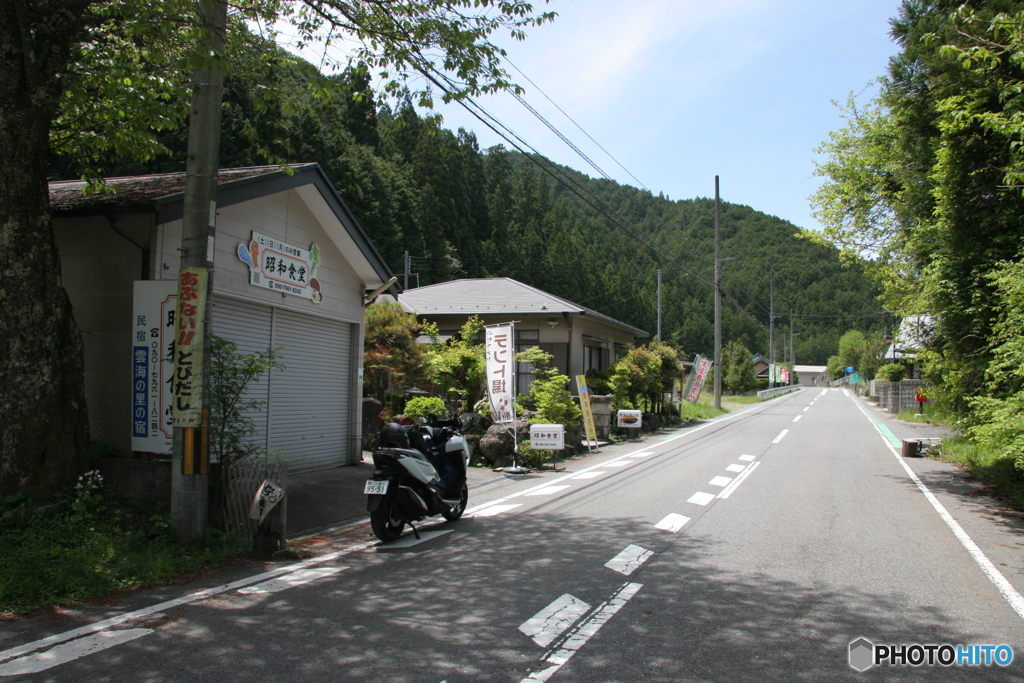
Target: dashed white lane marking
{"points": [[672, 523], [553, 620], [727, 491], [780, 436], [620, 463], [584, 632], [807, 408], [589, 475], [720, 481], [494, 510], [748, 458], [629, 560], [735, 468], [701, 498], [548, 490], [797, 418], [291, 580], [410, 540], [62, 654]]}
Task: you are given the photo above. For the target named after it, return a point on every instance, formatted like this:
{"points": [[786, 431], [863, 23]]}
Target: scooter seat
{"points": [[409, 452]]}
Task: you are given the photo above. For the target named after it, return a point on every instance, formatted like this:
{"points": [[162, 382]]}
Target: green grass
{"points": [[929, 414], [997, 471], [741, 400], [703, 409], [90, 546]]}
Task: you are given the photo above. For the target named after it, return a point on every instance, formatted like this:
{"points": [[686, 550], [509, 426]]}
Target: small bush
{"points": [[424, 408], [894, 372]]}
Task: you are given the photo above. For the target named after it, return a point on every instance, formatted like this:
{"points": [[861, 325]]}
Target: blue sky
{"points": [[679, 91]]}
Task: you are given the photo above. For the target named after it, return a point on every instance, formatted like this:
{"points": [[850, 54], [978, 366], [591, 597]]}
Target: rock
{"points": [[497, 446], [371, 422]]}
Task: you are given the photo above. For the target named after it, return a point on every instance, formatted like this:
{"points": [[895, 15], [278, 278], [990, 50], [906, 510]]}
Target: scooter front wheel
{"points": [[386, 522], [456, 511]]}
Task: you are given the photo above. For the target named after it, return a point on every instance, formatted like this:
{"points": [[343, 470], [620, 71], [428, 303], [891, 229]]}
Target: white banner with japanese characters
{"points": [[282, 267], [500, 366], [153, 309]]}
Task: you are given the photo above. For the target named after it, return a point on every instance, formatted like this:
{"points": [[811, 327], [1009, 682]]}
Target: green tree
{"points": [[457, 365], [738, 369], [549, 392], [42, 407], [392, 360]]}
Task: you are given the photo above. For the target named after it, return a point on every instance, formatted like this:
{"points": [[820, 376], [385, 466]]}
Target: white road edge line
{"points": [[177, 602], [727, 491], [570, 475], [67, 652], [1005, 588], [584, 632]]}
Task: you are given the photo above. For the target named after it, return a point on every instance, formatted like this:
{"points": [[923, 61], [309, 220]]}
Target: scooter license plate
{"points": [[375, 488]]}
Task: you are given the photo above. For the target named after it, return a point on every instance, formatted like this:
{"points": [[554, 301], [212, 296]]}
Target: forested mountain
{"points": [[465, 212]]}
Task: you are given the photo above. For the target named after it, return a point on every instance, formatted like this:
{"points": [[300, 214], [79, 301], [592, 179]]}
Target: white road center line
{"points": [[672, 523], [720, 481], [807, 408], [780, 436], [548, 490], [584, 632], [797, 418], [493, 510], [735, 468], [291, 580], [589, 475], [629, 560], [727, 491], [748, 458], [553, 620], [62, 654], [701, 498]]}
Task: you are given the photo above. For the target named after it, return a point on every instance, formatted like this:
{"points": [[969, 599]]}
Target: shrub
{"points": [[894, 372], [424, 408]]}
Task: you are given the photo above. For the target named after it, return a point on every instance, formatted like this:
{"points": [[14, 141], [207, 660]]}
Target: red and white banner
{"points": [[500, 366]]}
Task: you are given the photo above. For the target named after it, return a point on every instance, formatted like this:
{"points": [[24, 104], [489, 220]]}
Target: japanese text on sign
{"points": [[698, 375], [153, 310], [500, 386], [187, 381], [547, 437], [283, 267], [588, 412]]}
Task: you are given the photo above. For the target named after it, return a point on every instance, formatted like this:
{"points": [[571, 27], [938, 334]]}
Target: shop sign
{"points": [[699, 374], [187, 381], [547, 437], [153, 309], [500, 384], [282, 267], [588, 412]]}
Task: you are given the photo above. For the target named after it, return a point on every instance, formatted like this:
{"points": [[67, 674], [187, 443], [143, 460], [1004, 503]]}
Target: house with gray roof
{"points": [[579, 338]]}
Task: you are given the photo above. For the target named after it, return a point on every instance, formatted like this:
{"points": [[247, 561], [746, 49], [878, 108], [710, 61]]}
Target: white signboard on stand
{"points": [[547, 437], [153, 311], [630, 419]]}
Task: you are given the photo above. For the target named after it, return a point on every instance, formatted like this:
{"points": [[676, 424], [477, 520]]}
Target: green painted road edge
{"points": [[882, 427]]}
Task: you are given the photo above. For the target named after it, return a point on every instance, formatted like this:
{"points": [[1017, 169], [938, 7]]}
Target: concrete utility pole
{"points": [[659, 304], [718, 300], [771, 327], [190, 454], [408, 267]]}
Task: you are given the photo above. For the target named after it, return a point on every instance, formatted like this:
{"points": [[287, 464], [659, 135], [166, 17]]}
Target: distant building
{"points": [[579, 338]]}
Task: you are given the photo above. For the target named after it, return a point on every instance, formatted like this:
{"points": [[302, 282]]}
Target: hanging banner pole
{"points": [[588, 413], [500, 357]]}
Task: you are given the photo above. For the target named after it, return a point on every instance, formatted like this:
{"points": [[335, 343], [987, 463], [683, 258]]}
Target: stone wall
{"points": [[896, 397]]}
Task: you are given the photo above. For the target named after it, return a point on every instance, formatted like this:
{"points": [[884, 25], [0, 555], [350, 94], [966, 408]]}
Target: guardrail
{"points": [[777, 391]]}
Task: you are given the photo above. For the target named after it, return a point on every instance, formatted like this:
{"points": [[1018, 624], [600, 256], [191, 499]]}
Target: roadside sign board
{"points": [[547, 437], [588, 412], [631, 419]]}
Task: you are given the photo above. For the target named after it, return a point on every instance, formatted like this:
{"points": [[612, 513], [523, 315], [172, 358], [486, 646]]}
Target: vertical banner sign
{"points": [[153, 308], [187, 382], [588, 413], [500, 387], [701, 367], [785, 374]]}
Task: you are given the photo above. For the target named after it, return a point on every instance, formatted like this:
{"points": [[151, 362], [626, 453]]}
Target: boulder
{"points": [[372, 422], [497, 446]]}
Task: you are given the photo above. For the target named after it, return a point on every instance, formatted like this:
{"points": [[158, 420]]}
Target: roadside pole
{"points": [[190, 452], [718, 301]]}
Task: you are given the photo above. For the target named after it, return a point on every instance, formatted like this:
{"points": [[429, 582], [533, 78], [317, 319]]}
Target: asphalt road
{"points": [[755, 547]]}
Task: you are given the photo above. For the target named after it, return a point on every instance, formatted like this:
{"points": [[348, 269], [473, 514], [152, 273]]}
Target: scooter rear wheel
{"points": [[456, 510], [386, 522]]}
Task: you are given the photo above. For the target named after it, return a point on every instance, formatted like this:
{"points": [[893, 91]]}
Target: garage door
{"points": [[308, 403]]}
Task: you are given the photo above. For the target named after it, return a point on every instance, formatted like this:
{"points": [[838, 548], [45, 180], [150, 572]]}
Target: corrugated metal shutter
{"points": [[249, 326], [310, 404]]}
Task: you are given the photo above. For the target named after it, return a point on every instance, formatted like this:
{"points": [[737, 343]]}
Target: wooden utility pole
{"points": [[190, 453], [718, 300], [771, 328], [659, 304]]}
